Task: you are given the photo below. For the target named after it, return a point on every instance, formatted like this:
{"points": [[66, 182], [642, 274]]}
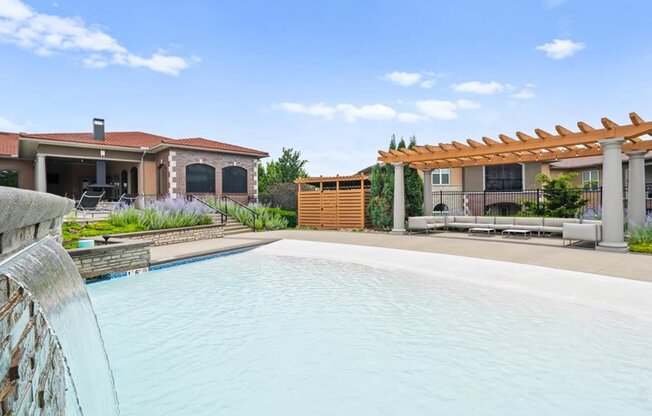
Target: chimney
{"points": [[98, 129]]}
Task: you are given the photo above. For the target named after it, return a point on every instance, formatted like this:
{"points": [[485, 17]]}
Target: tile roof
{"points": [[138, 139], [8, 144], [583, 162], [211, 144]]}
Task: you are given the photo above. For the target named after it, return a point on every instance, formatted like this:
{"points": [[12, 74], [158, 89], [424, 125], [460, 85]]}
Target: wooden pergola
{"points": [[611, 139]]}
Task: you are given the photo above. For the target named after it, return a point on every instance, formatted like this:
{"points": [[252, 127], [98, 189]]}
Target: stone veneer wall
{"points": [[30, 357], [118, 256], [31, 363], [177, 235]]}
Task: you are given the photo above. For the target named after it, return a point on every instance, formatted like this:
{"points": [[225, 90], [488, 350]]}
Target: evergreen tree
{"points": [[413, 188]]}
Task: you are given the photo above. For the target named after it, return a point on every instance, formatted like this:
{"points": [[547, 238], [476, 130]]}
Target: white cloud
{"points": [[438, 109], [525, 94], [443, 109], [313, 110], [483, 88], [425, 79], [408, 117], [46, 34], [404, 79], [10, 126], [370, 112], [468, 105], [429, 83], [561, 48]]}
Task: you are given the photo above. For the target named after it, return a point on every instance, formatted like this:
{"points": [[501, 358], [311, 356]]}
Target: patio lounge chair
{"points": [[89, 201], [127, 199]]}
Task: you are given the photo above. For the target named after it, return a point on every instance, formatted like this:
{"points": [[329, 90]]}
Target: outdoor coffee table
{"points": [[514, 232], [482, 231]]}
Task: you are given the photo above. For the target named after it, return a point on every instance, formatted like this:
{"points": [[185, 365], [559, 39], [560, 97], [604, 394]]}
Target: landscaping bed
{"points": [[159, 215]]}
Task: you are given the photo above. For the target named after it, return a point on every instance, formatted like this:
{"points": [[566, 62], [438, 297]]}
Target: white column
{"points": [[40, 180], [399, 199], [613, 218], [636, 190], [427, 192]]}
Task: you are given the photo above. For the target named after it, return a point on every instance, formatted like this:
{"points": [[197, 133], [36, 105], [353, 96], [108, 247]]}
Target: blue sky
{"points": [[333, 79]]}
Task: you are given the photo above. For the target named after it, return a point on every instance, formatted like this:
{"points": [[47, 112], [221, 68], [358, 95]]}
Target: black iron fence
{"points": [[507, 203]]}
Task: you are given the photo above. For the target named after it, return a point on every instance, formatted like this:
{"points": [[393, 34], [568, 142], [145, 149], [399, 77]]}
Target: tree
{"points": [[288, 167], [413, 187], [560, 197], [381, 205]]}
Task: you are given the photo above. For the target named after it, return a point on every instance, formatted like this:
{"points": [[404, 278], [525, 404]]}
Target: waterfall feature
{"points": [[48, 274], [52, 358]]}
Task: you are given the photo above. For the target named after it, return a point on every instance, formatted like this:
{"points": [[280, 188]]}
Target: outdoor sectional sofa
{"points": [[534, 224]]}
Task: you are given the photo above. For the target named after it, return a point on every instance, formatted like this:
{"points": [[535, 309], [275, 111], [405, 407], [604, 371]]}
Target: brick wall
{"points": [[31, 365], [177, 235], [118, 256], [183, 157]]}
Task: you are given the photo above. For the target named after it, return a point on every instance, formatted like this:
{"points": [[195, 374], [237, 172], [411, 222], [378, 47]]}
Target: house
{"points": [[132, 162], [500, 189]]}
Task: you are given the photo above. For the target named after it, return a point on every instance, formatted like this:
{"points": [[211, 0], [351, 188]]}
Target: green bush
{"points": [[560, 198], [266, 218]]}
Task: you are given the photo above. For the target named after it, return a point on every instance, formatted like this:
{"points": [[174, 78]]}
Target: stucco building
{"points": [[134, 162]]}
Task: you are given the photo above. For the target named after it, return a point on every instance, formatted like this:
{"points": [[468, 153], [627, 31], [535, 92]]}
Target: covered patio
{"points": [[611, 140]]}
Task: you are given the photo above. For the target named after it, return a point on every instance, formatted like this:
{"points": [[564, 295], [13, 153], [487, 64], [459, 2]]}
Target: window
{"points": [[162, 183], [134, 180], [234, 180], [441, 177], [503, 178], [9, 178], [590, 179], [200, 178]]}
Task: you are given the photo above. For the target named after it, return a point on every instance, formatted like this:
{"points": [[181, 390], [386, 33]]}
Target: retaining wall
{"points": [[177, 235], [118, 256]]}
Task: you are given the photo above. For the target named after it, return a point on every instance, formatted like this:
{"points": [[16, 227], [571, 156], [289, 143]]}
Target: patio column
{"points": [[636, 190], [613, 218], [40, 175], [427, 192], [399, 199]]}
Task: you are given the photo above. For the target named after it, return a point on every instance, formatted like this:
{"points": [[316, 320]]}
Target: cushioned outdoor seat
{"points": [[420, 224], [581, 232], [462, 222], [503, 223], [555, 225], [485, 221], [527, 223]]}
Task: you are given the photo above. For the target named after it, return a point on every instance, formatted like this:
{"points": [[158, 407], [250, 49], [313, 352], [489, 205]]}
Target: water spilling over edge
{"points": [[48, 274]]}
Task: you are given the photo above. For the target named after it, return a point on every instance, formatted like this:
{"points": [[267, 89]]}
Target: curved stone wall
{"points": [[31, 363]]}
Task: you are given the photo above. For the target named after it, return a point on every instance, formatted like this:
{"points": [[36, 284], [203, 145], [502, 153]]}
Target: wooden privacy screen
{"points": [[333, 202]]}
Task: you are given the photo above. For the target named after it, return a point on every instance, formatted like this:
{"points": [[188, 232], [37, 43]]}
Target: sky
{"points": [[334, 79]]}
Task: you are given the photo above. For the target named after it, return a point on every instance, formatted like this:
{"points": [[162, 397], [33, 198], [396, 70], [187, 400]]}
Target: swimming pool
{"points": [[297, 328]]}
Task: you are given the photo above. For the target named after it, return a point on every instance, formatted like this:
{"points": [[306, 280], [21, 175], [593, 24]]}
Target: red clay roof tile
{"points": [[138, 139]]}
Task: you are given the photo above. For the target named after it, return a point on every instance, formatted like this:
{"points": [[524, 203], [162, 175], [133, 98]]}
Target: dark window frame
{"points": [[505, 178], [16, 176], [232, 184], [205, 186]]}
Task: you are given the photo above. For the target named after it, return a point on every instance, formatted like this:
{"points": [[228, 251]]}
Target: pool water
{"points": [[260, 333]]}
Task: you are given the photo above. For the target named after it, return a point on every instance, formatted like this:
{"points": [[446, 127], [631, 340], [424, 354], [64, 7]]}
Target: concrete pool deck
{"points": [[546, 252]]}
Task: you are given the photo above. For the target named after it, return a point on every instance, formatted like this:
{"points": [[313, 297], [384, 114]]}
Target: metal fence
{"points": [[506, 203]]}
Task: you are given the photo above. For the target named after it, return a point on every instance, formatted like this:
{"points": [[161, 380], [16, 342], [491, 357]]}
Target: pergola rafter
{"points": [[525, 148]]}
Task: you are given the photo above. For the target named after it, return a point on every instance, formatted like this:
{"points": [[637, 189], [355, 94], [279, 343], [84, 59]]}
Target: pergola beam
{"points": [[587, 137]]}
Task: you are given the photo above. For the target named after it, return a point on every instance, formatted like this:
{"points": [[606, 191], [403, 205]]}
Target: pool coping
{"points": [[183, 259]]}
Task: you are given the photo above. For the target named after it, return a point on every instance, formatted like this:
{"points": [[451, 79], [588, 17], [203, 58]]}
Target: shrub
{"points": [[281, 195], [266, 218], [560, 197]]}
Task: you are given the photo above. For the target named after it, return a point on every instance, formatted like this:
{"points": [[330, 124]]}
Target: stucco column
{"points": [[40, 180], [636, 190], [399, 199], [427, 192], [613, 218]]}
